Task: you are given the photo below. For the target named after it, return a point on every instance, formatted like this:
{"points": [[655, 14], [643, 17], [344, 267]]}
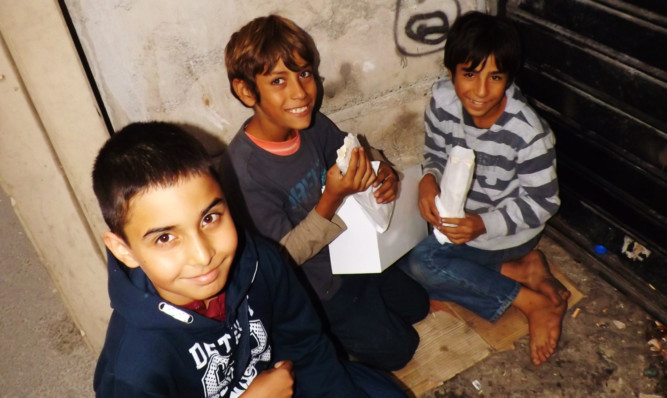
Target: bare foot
{"points": [[550, 286], [544, 329], [544, 323], [533, 271]]}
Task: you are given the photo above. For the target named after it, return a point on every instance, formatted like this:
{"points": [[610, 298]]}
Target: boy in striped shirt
{"points": [[492, 262]]}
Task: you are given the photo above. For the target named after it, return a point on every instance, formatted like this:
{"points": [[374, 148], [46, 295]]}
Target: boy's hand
{"points": [[464, 229], [428, 190], [359, 177], [277, 382], [387, 181]]}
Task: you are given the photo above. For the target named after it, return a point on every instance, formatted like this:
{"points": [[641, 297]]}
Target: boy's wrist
{"points": [[328, 204]]}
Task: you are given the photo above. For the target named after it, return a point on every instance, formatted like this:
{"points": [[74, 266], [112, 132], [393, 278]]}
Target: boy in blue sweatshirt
{"points": [[199, 309], [280, 160]]}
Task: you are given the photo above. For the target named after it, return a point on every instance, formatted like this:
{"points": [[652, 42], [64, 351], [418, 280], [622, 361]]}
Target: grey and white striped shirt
{"points": [[514, 188]]}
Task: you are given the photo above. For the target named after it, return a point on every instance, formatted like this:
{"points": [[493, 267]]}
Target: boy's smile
{"points": [[481, 91], [287, 99], [183, 238]]}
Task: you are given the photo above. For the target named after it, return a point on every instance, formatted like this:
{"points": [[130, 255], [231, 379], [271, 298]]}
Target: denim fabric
{"points": [[465, 275]]}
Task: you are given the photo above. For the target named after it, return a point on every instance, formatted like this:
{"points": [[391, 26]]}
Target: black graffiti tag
{"points": [[421, 26], [430, 28]]}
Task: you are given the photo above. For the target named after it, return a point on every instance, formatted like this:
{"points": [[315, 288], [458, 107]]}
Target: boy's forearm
{"points": [[328, 204]]}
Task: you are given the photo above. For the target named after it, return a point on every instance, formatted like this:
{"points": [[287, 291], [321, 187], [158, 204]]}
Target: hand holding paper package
{"points": [[454, 186], [379, 214]]}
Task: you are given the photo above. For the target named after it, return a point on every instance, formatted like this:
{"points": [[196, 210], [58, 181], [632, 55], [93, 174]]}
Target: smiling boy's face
{"points": [[287, 101], [182, 237], [481, 91]]}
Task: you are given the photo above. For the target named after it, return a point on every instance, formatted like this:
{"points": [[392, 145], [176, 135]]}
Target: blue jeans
{"points": [[465, 275]]}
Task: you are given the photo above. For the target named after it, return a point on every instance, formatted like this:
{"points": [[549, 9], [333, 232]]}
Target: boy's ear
{"points": [[243, 92], [120, 249], [451, 75]]}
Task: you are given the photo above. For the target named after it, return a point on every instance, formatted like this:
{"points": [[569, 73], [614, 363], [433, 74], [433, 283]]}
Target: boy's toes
{"points": [[541, 354], [537, 358], [533, 356]]}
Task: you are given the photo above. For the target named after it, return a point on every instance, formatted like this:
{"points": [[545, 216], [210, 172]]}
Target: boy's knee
{"points": [[403, 351], [424, 306]]}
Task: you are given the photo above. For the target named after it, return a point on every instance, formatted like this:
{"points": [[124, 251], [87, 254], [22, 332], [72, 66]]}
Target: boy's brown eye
{"points": [[210, 218]]}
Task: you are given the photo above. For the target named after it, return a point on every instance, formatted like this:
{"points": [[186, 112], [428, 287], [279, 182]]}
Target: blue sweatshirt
{"points": [[276, 193], [156, 349]]}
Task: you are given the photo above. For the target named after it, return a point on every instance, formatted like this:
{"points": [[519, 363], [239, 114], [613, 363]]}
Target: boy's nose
{"points": [[296, 90], [201, 251], [480, 88]]}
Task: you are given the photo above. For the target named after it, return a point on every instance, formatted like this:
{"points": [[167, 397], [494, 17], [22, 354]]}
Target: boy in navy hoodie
{"points": [[199, 309]]}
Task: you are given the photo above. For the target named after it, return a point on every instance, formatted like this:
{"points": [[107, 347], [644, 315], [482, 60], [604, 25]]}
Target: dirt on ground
{"points": [[611, 348]]}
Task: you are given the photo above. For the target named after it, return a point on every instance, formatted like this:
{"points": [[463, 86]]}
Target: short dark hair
{"points": [[258, 45], [474, 36], [141, 156]]}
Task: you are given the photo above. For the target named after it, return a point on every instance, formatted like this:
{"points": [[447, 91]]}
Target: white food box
{"points": [[360, 249]]}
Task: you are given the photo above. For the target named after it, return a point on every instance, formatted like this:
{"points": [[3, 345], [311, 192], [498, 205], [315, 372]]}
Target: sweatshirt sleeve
{"points": [[297, 336], [311, 235], [537, 200], [315, 232]]}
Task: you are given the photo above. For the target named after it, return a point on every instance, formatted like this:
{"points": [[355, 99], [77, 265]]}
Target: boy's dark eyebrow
{"points": [[215, 202], [495, 72], [208, 208], [274, 73], [282, 72], [156, 230]]}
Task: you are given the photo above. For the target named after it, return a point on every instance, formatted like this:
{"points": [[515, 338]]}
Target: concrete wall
{"points": [[164, 59], [50, 131]]}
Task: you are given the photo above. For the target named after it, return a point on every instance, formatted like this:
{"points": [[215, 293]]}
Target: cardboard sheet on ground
{"points": [[454, 339]]}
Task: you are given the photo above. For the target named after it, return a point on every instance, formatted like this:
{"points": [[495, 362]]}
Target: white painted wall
{"points": [[50, 132], [164, 59]]}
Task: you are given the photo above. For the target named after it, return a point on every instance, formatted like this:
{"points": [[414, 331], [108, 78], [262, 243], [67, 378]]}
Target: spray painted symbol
{"points": [[421, 26]]}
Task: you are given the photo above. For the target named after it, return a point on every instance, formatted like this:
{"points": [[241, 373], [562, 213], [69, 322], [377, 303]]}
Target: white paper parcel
{"points": [[360, 249], [454, 186], [378, 214]]}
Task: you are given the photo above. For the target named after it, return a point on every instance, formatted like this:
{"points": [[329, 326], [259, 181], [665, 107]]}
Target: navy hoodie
{"points": [[156, 349]]}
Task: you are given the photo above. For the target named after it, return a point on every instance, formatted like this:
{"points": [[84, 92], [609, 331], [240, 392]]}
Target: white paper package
{"points": [[379, 214], [454, 186]]}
